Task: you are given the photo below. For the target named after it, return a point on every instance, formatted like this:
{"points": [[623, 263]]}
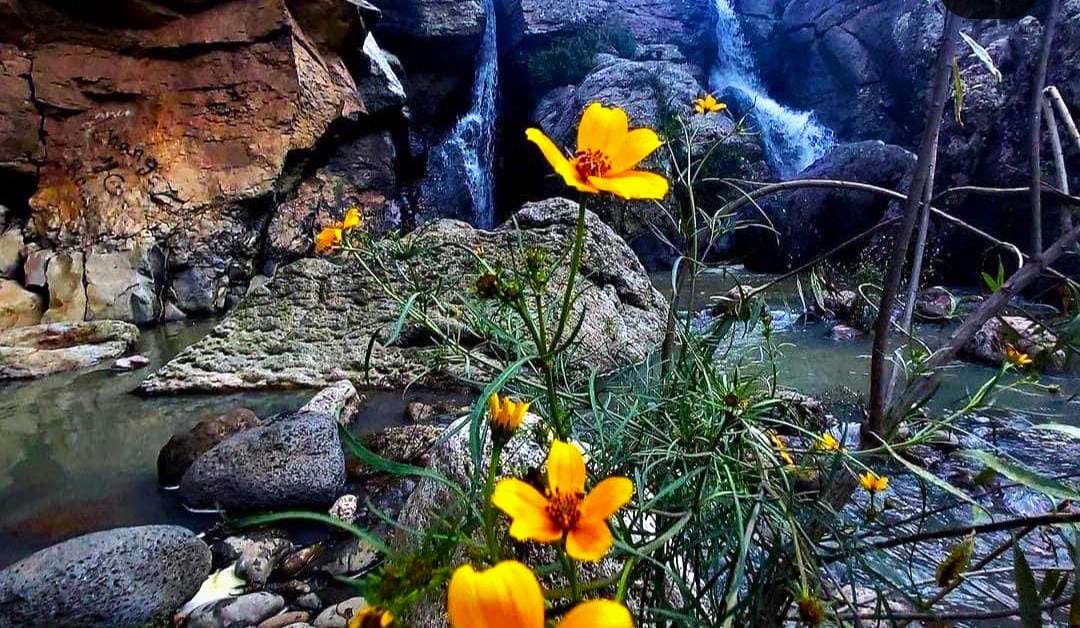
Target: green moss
{"points": [[569, 59]]}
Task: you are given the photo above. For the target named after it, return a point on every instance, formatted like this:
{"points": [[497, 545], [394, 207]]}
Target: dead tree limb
{"points": [[1054, 96], [1061, 174], [894, 269], [1038, 82], [931, 371]]}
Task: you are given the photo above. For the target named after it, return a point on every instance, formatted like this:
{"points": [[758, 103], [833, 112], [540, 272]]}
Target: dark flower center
{"points": [[591, 163], [564, 508]]}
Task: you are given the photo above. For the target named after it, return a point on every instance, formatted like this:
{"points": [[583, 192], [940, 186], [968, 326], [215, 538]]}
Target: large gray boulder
{"points": [[293, 462], [809, 221], [122, 577], [311, 325]]}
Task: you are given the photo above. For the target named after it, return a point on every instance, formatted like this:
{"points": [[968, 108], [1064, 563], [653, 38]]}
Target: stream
{"points": [[78, 451]]}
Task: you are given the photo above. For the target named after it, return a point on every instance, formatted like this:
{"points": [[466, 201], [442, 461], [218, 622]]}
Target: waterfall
{"points": [[792, 139], [473, 137]]}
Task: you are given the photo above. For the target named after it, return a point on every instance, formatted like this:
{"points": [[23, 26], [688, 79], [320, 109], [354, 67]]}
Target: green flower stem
{"points": [[488, 509], [562, 427], [570, 567]]}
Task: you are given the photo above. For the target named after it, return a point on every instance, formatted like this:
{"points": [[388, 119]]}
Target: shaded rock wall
{"points": [[173, 136]]}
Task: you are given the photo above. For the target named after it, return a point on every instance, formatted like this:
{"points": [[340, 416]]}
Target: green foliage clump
{"points": [[568, 60]]}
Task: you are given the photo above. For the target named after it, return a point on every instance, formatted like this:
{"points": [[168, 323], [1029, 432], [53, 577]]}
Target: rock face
{"points": [[810, 221], [295, 461], [310, 325], [19, 307], [155, 141], [989, 344], [126, 577], [185, 447], [36, 351]]}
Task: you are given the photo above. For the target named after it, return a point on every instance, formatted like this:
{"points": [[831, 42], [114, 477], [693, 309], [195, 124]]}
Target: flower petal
{"points": [[508, 594], [589, 540], [633, 184], [638, 144], [602, 129], [558, 161], [565, 469], [597, 614], [527, 509], [606, 498]]}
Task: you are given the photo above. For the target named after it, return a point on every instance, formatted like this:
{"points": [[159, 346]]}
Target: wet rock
{"points": [[345, 508], [19, 307], [350, 557], [843, 333], [67, 292], [302, 560], [935, 304], [293, 462], [988, 345], [11, 253], [422, 413], [310, 602], [451, 23], [842, 303], [338, 616], [131, 363], [286, 619], [124, 577], [256, 554], [810, 221], [185, 447], [246, 610], [37, 260], [119, 286], [404, 443], [40, 350], [293, 333], [333, 400]]}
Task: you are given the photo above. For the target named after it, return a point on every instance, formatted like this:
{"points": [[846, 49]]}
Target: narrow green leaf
{"points": [[1074, 608], [1049, 585], [930, 478], [958, 92], [302, 515], [378, 463], [1023, 475], [399, 324], [1030, 611]]}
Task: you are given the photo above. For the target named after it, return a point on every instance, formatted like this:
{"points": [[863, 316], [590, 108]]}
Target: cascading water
{"points": [[473, 137], [792, 139]]}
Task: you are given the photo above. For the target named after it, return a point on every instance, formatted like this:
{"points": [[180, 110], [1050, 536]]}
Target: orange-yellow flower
{"points": [[507, 414], [708, 104], [828, 442], [781, 449], [509, 596], [607, 152], [328, 239], [372, 617], [1016, 357], [566, 511], [874, 483], [352, 219]]}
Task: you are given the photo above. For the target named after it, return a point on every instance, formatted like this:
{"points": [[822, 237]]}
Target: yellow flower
{"points": [[371, 617], [708, 104], [607, 152], [352, 219], [1015, 357], [873, 482], [328, 239], [566, 511], [810, 609], [782, 449], [509, 596], [507, 414], [828, 442]]}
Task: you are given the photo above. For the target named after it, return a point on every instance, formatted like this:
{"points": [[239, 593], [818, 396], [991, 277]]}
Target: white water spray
{"points": [[473, 137], [792, 139]]}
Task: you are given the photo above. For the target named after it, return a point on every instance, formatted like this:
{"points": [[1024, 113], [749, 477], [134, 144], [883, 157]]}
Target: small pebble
{"points": [[290, 618], [131, 363]]}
